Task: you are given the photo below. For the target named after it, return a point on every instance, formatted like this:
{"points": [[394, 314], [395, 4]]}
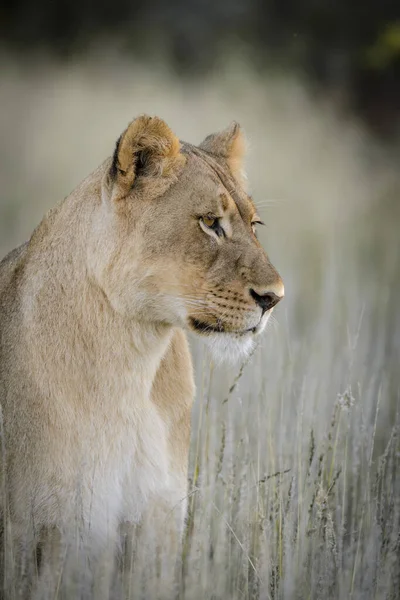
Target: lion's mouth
{"points": [[202, 327]]}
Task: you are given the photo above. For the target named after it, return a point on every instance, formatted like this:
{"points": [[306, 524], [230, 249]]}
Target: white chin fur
{"points": [[226, 348]]}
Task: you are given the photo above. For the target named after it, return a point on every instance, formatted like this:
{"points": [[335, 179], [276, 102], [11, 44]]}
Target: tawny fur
{"points": [[96, 381], [230, 145]]}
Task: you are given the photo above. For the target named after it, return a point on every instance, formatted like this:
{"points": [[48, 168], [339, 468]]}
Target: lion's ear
{"points": [[146, 151], [229, 144]]}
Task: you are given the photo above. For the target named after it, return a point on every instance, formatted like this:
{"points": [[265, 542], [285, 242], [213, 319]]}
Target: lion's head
{"points": [[178, 241]]}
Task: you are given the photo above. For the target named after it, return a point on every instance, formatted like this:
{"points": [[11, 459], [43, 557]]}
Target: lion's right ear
{"points": [[230, 145], [147, 153]]}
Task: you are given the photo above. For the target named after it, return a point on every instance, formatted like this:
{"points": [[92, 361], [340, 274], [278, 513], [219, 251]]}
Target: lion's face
{"points": [[187, 252]]}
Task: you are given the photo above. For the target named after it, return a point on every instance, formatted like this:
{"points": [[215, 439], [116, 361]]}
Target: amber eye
{"points": [[211, 223], [209, 220]]}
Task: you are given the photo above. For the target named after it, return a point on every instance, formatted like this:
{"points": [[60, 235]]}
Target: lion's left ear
{"points": [[147, 157], [229, 144]]}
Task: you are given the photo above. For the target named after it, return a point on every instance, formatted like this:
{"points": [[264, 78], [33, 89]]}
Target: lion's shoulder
{"points": [[10, 269]]}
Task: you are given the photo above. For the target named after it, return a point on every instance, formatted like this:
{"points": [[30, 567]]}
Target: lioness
{"points": [[96, 383]]}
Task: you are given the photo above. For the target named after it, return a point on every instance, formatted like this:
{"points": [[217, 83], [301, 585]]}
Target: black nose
{"points": [[266, 301]]}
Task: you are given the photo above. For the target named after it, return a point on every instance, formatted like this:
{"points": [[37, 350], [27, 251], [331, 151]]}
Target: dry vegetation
{"points": [[295, 463]]}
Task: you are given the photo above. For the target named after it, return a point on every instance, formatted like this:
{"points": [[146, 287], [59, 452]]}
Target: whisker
{"points": [[270, 202]]}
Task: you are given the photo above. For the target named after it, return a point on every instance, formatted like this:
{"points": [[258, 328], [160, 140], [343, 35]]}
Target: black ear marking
{"points": [[141, 160], [114, 164], [147, 149]]}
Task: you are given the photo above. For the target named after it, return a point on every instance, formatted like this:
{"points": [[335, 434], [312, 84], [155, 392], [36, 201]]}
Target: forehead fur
{"points": [[216, 169]]}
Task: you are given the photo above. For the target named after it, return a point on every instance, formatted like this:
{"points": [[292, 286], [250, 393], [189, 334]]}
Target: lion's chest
{"points": [[130, 467]]}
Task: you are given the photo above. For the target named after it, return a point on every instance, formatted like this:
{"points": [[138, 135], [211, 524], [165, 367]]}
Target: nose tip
{"points": [[267, 300]]}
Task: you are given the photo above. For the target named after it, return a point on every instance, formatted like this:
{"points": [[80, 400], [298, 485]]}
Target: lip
{"points": [[202, 327]]}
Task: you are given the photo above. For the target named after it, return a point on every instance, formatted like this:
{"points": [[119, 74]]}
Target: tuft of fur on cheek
{"points": [[226, 348]]}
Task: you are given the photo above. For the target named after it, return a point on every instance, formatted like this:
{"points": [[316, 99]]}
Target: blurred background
{"points": [[316, 86], [351, 50]]}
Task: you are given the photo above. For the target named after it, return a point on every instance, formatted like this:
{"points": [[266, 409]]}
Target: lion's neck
{"points": [[94, 354], [88, 350]]}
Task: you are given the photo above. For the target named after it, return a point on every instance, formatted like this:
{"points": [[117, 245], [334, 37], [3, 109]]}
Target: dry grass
{"points": [[295, 474]]}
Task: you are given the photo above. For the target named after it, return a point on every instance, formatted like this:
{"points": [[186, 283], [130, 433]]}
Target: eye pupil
{"points": [[212, 223], [209, 220]]}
